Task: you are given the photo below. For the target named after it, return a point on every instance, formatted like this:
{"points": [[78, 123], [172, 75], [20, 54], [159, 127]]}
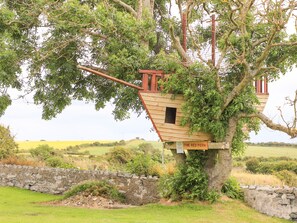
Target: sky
{"points": [[81, 121]]}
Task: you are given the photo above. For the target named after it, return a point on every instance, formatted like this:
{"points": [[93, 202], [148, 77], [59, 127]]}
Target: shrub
{"points": [[141, 165], [252, 165], [97, 188], [8, 147], [288, 177], [189, 181], [231, 188], [119, 155], [58, 162], [269, 166], [43, 152]]}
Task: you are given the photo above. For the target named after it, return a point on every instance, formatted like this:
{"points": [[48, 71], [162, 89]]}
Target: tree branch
{"points": [[270, 124], [127, 7], [95, 34], [285, 44], [236, 91], [178, 47]]}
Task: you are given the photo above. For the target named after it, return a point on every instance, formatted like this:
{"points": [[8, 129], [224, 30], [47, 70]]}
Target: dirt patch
{"points": [[89, 201]]}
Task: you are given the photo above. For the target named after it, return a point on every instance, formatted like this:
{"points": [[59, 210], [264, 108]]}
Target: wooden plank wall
{"points": [[263, 98], [156, 104]]}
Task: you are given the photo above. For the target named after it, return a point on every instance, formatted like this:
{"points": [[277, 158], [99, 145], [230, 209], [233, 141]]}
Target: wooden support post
{"points": [[258, 86], [213, 40], [145, 82], [265, 85], [153, 83]]}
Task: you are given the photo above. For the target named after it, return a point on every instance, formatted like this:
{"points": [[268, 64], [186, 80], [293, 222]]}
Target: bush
{"points": [[271, 165], [97, 188], [119, 155], [231, 188], [8, 147], [141, 165], [252, 165], [288, 177], [43, 152], [189, 181], [58, 162]]}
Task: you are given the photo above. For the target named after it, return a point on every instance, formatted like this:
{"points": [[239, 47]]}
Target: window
{"points": [[170, 115]]}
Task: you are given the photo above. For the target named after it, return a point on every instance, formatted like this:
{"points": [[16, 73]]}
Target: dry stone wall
{"points": [[137, 189], [278, 202]]}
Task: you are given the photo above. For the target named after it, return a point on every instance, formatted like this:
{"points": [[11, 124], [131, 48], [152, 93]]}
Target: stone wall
{"points": [[278, 202], [138, 190]]}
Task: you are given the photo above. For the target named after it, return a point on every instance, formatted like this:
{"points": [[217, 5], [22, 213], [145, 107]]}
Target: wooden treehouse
{"points": [[165, 112]]}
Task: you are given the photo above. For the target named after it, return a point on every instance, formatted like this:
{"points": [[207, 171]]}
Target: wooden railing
{"points": [[261, 86], [150, 80]]}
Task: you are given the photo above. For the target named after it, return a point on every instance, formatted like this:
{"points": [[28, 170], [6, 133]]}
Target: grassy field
{"points": [[24, 206], [259, 151], [93, 150]]}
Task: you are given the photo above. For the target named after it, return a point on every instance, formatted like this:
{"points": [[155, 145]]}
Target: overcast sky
{"points": [[81, 121]]}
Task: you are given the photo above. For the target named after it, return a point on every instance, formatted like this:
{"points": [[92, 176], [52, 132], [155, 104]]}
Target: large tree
{"points": [[50, 38]]}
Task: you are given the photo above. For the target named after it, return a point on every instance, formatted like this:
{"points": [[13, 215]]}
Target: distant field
{"points": [[25, 145], [93, 150], [259, 151]]}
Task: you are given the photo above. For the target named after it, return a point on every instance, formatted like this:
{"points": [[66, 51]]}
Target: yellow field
{"points": [[25, 145], [97, 150]]}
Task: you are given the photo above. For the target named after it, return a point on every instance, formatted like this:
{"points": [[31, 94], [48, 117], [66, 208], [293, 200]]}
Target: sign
{"points": [[196, 145], [181, 146]]}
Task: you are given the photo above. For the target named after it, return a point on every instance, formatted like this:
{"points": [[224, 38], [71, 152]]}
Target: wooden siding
{"points": [[155, 105], [263, 98]]}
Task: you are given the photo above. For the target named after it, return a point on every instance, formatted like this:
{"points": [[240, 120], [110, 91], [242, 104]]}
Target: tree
{"points": [[119, 37], [8, 147]]}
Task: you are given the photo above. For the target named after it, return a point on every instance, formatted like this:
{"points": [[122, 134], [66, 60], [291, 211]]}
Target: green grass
{"points": [[24, 206], [266, 151]]}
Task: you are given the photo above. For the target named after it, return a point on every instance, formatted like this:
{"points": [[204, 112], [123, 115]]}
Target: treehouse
{"points": [[165, 112]]}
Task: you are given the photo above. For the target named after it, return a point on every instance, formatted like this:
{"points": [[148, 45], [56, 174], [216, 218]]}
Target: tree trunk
{"points": [[180, 158], [218, 168]]}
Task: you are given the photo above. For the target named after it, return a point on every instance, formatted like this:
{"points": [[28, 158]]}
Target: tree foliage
{"points": [[119, 37], [8, 147]]}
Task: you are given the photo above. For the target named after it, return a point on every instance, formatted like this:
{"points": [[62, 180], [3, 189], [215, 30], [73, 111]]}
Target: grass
{"points": [[264, 151], [246, 178], [22, 206]]}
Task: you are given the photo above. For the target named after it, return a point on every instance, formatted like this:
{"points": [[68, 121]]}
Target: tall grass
{"points": [[246, 178]]}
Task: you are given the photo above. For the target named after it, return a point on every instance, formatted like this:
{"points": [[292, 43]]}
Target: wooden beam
{"points": [[109, 77]]}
